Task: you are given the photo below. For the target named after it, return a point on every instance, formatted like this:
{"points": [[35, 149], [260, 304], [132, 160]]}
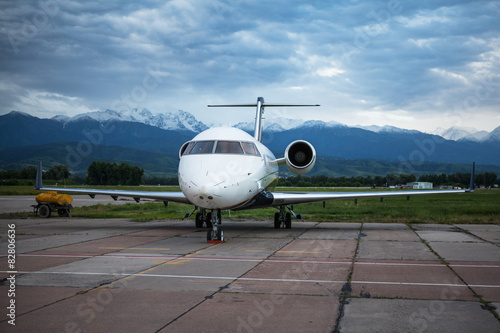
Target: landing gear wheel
{"points": [[208, 222], [219, 237], [199, 220], [44, 211], [288, 221], [277, 223]]}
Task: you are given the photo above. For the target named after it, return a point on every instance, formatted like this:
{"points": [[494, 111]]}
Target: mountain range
{"points": [[152, 141]]}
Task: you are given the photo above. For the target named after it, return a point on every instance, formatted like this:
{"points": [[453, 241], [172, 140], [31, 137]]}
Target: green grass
{"points": [[482, 206]]}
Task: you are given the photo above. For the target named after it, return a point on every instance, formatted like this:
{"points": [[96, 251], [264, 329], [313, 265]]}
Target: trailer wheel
{"points": [[63, 212], [44, 211]]}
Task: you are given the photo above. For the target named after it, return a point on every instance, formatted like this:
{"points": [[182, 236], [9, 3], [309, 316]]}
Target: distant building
{"points": [[420, 185]]}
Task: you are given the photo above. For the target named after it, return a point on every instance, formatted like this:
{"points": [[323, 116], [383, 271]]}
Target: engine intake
{"points": [[300, 157]]}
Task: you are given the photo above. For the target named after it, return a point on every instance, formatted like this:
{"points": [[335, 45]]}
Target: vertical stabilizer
{"points": [[259, 125], [38, 181], [472, 178]]}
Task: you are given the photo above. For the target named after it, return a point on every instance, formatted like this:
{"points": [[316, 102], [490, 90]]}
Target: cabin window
{"points": [[250, 148], [228, 147], [201, 147]]}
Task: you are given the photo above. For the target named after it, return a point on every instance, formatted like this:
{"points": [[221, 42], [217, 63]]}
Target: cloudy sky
{"points": [[417, 64]]}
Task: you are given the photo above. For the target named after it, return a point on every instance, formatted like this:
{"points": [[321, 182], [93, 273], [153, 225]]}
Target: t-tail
{"points": [[260, 105]]}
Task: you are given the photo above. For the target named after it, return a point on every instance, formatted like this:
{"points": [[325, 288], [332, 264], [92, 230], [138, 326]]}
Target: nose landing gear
{"points": [[215, 234]]}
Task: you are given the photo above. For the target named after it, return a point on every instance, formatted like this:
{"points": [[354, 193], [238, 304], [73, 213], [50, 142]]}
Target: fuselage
{"points": [[225, 168]]}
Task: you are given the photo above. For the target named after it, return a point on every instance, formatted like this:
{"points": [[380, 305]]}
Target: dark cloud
{"points": [[410, 57]]}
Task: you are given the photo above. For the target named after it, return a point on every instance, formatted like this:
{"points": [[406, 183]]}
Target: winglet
{"points": [[38, 181], [472, 178]]}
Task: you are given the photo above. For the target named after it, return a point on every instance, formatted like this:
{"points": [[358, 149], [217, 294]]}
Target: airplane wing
{"points": [[290, 198], [137, 195]]}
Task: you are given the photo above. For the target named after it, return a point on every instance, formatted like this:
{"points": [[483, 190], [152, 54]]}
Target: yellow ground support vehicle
{"points": [[51, 201]]}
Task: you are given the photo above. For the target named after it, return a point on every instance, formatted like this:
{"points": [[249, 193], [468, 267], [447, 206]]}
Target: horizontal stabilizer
{"points": [[254, 105], [260, 105]]}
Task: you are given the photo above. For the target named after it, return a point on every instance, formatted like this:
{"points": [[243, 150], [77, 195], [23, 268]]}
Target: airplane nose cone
{"points": [[205, 196], [205, 190]]}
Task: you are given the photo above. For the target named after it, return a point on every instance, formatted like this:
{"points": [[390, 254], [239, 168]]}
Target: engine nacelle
{"points": [[300, 157]]}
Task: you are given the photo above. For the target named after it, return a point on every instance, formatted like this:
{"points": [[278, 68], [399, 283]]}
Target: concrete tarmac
{"points": [[115, 275]]}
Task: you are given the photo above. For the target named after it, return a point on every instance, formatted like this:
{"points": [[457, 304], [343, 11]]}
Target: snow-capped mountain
{"points": [[385, 129], [141, 130], [180, 120], [461, 133], [284, 124], [493, 135], [185, 121], [278, 124], [61, 118]]}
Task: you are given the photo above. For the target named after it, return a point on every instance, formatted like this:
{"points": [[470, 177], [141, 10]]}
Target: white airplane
{"points": [[228, 169]]}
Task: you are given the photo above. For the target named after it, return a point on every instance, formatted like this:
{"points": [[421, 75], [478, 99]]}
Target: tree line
{"points": [[455, 179], [98, 173], [105, 173], [12, 177], [57, 172]]}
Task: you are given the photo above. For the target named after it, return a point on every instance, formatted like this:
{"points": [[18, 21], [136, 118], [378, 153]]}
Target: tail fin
{"points": [[472, 178], [38, 181], [260, 111]]}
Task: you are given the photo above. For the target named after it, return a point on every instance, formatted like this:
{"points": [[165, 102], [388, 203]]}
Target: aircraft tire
{"points": [[220, 235], [208, 222], [198, 221], [288, 221], [277, 223]]}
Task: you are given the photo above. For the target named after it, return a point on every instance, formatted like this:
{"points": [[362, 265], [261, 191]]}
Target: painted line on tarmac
{"points": [[135, 248], [122, 255], [425, 264], [269, 251], [202, 277]]}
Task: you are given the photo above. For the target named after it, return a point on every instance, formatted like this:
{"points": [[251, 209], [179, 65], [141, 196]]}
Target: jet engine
{"points": [[300, 157]]}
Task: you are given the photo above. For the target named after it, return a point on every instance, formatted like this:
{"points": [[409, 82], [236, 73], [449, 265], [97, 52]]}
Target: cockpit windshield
{"points": [[201, 147], [221, 147], [228, 147]]}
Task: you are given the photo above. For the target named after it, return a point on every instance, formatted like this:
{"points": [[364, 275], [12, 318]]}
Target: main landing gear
{"points": [[285, 219], [203, 218]]}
